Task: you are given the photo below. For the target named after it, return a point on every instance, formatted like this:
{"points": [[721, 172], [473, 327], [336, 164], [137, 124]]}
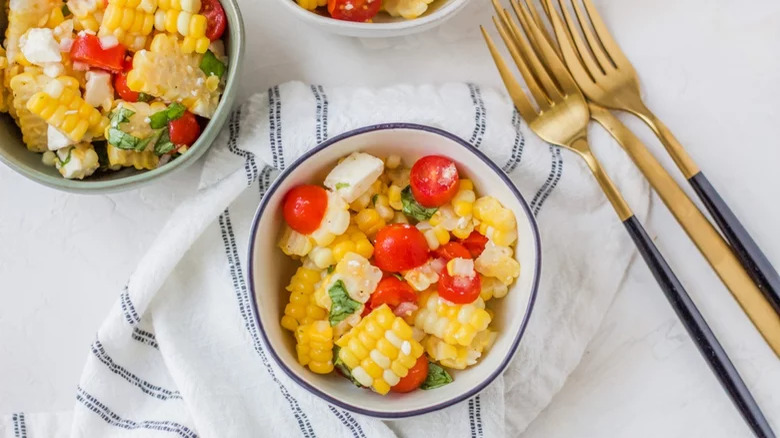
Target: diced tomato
{"points": [[304, 208], [216, 20], [86, 48], [392, 291], [434, 180], [354, 10], [475, 243], [399, 247], [416, 376], [459, 289], [184, 130], [452, 250], [120, 85]]}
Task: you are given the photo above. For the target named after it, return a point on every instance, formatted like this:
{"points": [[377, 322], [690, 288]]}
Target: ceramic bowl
{"points": [[14, 154], [270, 270], [383, 25]]}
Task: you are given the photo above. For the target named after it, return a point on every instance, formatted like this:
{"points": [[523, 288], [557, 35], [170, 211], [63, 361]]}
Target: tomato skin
{"points": [[475, 243], [86, 48], [392, 291], [415, 378], [434, 180], [354, 10], [184, 130], [452, 250], [216, 20], [458, 289], [399, 247], [304, 208], [120, 85]]}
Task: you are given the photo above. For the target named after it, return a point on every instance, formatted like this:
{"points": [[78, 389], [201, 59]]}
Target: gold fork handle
{"points": [[699, 229], [681, 158]]}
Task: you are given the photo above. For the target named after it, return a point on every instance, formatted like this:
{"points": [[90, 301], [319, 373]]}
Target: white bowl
{"points": [[270, 270], [384, 25]]}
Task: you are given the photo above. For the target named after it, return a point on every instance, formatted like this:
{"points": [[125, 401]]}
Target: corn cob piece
{"points": [[302, 309], [365, 200], [88, 13], [435, 236], [24, 86], [311, 4], [358, 275], [5, 98], [463, 201], [353, 240], [138, 124], [496, 222], [497, 261], [181, 16], [394, 197], [294, 243], [456, 356], [422, 277], [118, 158], [334, 223], [456, 324], [445, 217], [369, 221], [407, 9], [130, 21], [315, 346], [62, 107], [380, 350], [166, 72], [382, 205], [492, 288], [23, 15]]}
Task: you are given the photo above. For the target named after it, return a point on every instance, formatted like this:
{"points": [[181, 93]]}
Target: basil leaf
{"points": [[123, 140], [143, 97], [342, 367], [374, 198], [160, 119], [121, 115], [212, 66], [436, 378], [341, 304], [412, 208], [398, 276], [67, 158], [341, 185], [331, 268], [164, 144], [65, 10]]}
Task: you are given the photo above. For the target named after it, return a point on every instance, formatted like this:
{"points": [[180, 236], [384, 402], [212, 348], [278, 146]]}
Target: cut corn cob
{"points": [[463, 201], [23, 15], [118, 158], [358, 275], [445, 217], [5, 98], [456, 356], [302, 309], [182, 17], [435, 236], [34, 129], [422, 277], [62, 107], [492, 288], [382, 206], [496, 222], [456, 324], [353, 240], [88, 13], [497, 261], [294, 243], [315, 346], [334, 223], [369, 221], [130, 21], [138, 124], [394, 197], [380, 350], [166, 72], [311, 4], [408, 9], [367, 198]]}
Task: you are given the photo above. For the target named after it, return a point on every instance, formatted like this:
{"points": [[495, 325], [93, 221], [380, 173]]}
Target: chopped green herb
{"points": [[143, 97], [412, 208], [67, 158], [331, 268], [398, 276], [342, 367], [374, 198], [123, 140], [163, 145], [65, 10], [121, 115], [341, 305], [212, 66], [341, 185], [437, 377], [160, 119]]}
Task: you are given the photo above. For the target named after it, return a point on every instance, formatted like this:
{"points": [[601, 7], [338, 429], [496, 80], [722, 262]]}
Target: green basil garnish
{"points": [[341, 185], [160, 119], [412, 208], [341, 304], [436, 378], [143, 97], [163, 145], [212, 66], [121, 115]]}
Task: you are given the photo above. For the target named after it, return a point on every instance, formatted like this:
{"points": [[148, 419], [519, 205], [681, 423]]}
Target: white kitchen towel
{"points": [[180, 353]]}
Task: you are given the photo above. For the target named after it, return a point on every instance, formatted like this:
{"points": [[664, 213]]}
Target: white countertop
{"points": [[710, 69]]}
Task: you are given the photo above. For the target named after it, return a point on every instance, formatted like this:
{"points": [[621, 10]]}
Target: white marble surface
{"points": [[709, 68]]}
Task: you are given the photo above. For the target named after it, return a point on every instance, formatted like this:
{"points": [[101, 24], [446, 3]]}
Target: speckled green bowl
{"points": [[16, 156]]}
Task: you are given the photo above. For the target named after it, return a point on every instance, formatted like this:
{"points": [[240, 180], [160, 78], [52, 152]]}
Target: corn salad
{"points": [[399, 270], [101, 85]]}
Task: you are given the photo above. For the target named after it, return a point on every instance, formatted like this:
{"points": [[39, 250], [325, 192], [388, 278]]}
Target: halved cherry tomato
{"points": [[120, 82], [415, 378], [184, 130], [304, 208], [86, 48], [434, 180], [459, 289], [399, 247], [216, 21], [452, 250], [475, 243], [354, 10], [392, 291]]}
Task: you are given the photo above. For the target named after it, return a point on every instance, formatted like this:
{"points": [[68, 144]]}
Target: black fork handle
{"points": [[745, 248], [700, 332]]}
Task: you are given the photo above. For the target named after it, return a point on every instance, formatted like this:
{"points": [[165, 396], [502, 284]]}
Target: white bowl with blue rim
{"points": [[270, 270]]}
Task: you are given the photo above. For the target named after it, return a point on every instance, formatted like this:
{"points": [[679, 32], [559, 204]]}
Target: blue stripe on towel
{"points": [[128, 309], [145, 337], [480, 116], [517, 148], [144, 386], [321, 112], [234, 128], [556, 171], [20, 428]]}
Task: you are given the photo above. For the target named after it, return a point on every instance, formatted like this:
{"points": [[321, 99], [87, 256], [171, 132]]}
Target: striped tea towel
{"points": [[180, 353]]}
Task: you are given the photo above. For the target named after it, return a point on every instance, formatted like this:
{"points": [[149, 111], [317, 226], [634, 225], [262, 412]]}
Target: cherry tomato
{"points": [[434, 180], [120, 85], [459, 289], [86, 48], [216, 21], [452, 250], [475, 243], [354, 10], [184, 130], [392, 291], [399, 247], [415, 378], [304, 208]]}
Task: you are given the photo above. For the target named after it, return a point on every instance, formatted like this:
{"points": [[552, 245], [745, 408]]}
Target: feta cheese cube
{"points": [[77, 162], [98, 90], [39, 46], [53, 69], [354, 176], [58, 139]]}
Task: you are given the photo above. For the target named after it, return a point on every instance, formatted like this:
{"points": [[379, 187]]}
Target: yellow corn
{"points": [[23, 16], [130, 21], [382, 206], [294, 243], [492, 288], [394, 197], [496, 222], [311, 4], [88, 14], [315, 346], [182, 17], [126, 158], [497, 262], [4, 95], [34, 129], [369, 221], [54, 19], [408, 9], [63, 108], [364, 200], [302, 309], [456, 324], [358, 275], [422, 277], [353, 240], [392, 162], [463, 201], [436, 236], [456, 356], [380, 350]]}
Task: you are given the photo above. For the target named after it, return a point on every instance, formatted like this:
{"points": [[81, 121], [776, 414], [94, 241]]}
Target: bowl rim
{"points": [[234, 31], [531, 298]]}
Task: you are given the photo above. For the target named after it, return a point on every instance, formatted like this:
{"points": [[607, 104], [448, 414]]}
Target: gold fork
{"points": [[561, 117], [607, 78]]}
